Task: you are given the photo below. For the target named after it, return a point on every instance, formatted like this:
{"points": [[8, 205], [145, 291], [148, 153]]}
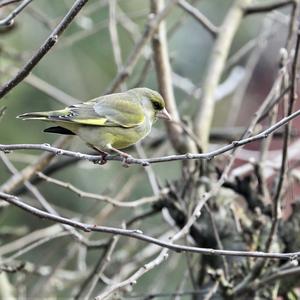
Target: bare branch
{"points": [[194, 12], [164, 79], [100, 267], [266, 7], [7, 2], [115, 38], [50, 90], [260, 45], [30, 238], [10, 18], [220, 51], [83, 194], [44, 49], [135, 54], [27, 173], [136, 234]]}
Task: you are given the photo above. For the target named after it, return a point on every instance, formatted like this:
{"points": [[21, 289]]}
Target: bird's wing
{"points": [[120, 109], [112, 110]]}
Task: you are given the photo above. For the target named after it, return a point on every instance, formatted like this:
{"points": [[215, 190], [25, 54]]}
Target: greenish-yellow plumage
{"points": [[110, 122]]}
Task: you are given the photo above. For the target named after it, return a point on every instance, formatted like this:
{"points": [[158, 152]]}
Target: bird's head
{"points": [[154, 102]]}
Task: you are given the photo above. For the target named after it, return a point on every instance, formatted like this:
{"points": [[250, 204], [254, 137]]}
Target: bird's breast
{"points": [[118, 137]]}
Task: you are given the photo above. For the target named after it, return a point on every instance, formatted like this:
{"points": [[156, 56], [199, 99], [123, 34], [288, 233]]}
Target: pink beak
{"points": [[163, 114]]}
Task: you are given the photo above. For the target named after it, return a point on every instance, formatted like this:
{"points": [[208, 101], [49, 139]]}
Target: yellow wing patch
{"points": [[95, 122]]}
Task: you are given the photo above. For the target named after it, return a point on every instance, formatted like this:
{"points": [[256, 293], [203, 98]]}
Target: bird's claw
{"points": [[125, 158], [102, 161]]}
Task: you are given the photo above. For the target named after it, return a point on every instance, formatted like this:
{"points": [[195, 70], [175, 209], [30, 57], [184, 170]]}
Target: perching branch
{"points": [[145, 162]]}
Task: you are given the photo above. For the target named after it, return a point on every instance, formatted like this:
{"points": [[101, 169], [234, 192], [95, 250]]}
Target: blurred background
{"points": [[80, 67]]}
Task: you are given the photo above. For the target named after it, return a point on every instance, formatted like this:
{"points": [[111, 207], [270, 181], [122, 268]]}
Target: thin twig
{"points": [[7, 2], [83, 194], [136, 234], [266, 7], [44, 48], [136, 52], [50, 90], [7, 21], [34, 245], [149, 171], [113, 30], [99, 269], [203, 20], [28, 172], [276, 276], [44, 203], [260, 45], [30, 238], [218, 239]]}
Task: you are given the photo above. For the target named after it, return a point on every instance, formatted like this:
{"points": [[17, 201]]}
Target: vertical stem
{"points": [[220, 51], [164, 79], [113, 30]]}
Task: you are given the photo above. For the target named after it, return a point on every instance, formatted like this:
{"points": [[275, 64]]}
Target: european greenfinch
{"points": [[110, 122]]}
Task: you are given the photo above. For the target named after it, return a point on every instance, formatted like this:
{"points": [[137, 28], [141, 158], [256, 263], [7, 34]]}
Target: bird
{"points": [[110, 122]]}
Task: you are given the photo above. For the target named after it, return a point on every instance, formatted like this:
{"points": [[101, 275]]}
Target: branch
{"points": [[112, 201], [133, 278], [277, 197], [29, 238], [7, 2], [9, 20], [135, 54], [34, 245], [145, 162], [43, 202], [164, 79], [50, 90], [195, 13], [100, 267], [44, 215], [220, 51], [263, 8], [44, 49], [113, 31], [137, 234], [250, 66], [277, 275], [28, 172]]}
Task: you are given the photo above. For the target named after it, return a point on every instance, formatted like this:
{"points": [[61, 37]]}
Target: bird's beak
{"points": [[163, 114]]}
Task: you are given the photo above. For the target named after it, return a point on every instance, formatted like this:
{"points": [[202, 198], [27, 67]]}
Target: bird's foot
{"points": [[103, 154], [125, 158], [102, 160]]}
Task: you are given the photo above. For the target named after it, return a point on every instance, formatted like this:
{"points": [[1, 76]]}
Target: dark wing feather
{"points": [[60, 130]]}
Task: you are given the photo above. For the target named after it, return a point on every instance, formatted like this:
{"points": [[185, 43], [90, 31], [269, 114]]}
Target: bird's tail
{"points": [[35, 116]]}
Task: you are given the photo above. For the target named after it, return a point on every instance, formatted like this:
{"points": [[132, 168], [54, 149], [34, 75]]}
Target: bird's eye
{"points": [[157, 105]]}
